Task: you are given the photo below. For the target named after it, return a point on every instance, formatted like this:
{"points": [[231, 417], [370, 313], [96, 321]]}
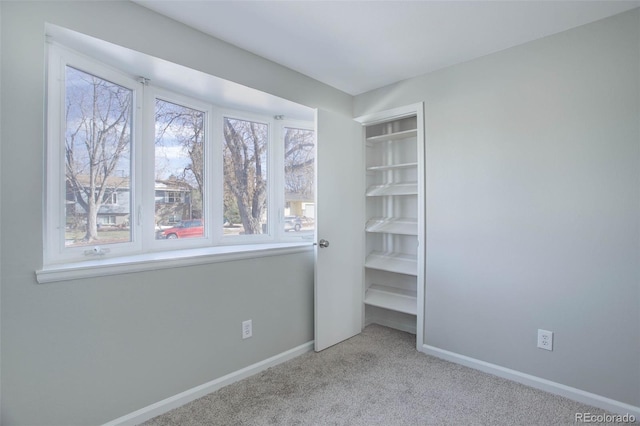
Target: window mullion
{"points": [[54, 233], [277, 208], [147, 190], [215, 177]]}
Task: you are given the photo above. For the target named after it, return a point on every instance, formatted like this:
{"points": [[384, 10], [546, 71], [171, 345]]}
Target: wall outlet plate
{"points": [[545, 339], [247, 329]]}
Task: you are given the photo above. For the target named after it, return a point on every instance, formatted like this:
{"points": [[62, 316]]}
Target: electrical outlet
{"points": [[545, 339], [247, 329]]}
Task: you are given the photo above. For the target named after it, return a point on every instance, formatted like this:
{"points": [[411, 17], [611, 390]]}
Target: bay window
{"points": [[134, 167]]}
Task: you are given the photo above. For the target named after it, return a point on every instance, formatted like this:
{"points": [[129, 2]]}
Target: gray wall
{"points": [[88, 351], [533, 205]]}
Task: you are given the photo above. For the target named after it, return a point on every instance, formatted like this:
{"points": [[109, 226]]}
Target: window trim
{"points": [[169, 259]]}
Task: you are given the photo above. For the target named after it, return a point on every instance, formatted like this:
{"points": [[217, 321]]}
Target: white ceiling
{"points": [[357, 46]]}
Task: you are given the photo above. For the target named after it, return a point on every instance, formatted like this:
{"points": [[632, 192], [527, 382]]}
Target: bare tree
{"points": [[244, 169], [186, 126], [299, 161], [181, 126], [97, 142]]}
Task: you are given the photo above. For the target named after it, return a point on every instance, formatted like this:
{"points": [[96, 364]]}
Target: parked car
{"points": [[183, 229], [292, 222]]}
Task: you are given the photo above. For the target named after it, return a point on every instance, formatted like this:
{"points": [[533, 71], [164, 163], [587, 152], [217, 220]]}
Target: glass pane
{"points": [[98, 117], [299, 181], [179, 171], [245, 177]]}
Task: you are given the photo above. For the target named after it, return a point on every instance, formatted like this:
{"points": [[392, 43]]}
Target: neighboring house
{"points": [[115, 207], [173, 202], [302, 205]]}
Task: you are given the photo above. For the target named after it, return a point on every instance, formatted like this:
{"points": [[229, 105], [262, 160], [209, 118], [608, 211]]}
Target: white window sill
{"points": [[164, 260]]}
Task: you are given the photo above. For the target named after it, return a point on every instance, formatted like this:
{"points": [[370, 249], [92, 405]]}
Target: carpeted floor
{"points": [[375, 378]]}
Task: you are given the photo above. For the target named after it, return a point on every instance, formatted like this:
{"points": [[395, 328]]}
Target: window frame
{"points": [[111, 198], [59, 58], [282, 125], [143, 244], [170, 197], [107, 222], [150, 243], [269, 236]]}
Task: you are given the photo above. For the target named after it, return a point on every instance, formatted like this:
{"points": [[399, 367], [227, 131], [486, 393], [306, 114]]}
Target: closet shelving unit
{"points": [[394, 223]]}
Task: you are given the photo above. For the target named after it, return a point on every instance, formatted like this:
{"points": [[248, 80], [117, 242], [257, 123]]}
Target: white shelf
{"points": [[409, 188], [392, 167], [391, 298], [393, 136], [392, 262], [392, 225]]}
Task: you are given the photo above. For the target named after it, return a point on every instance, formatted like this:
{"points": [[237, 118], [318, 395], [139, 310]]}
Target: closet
{"points": [[393, 290]]}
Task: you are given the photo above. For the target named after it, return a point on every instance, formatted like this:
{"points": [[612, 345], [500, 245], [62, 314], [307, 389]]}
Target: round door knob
{"points": [[323, 243]]}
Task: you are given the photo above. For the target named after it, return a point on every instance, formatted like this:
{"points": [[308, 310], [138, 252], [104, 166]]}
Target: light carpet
{"points": [[375, 378]]}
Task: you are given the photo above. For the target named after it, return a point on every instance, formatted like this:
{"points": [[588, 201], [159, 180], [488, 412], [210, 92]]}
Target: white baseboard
{"points": [[168, 404], [574, 394]]}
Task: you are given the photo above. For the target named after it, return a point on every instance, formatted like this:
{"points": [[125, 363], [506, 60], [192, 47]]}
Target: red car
{"points": [[184, 229]]}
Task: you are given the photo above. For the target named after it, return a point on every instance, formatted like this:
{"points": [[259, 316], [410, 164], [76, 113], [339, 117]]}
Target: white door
{"points": [[339, 221]]}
